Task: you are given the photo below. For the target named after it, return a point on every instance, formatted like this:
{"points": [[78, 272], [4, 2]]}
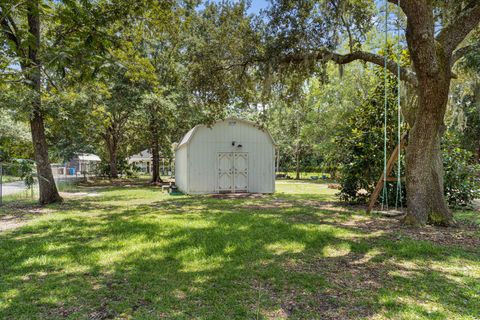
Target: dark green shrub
{"points": [[462, 183]]}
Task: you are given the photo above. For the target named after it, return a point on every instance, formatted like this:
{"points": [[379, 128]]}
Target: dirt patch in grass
{"points": [[16, 215], [287, 203], [331, 205], [79, 194], [62, 311], [465, 235], [353, 217], [271, 204], [238, 196], [282, 203], [336, 301], [9, 222], [347, 276]]}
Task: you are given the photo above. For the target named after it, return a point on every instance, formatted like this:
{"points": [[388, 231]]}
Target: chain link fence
{"points": [[18, 180]]}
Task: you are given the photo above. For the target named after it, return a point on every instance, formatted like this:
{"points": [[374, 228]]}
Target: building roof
{"points": [[141, 156], [189, 135], [88, 157], [144, 155]]}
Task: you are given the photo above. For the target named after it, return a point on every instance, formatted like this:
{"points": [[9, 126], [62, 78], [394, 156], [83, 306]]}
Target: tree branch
{"points": [[403, 3], [453, 34], [461, 52], [50, 80], [325, 55], [9, 33]]}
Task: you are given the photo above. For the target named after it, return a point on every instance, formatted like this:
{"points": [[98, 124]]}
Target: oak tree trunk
{"points": [[297, 161], [155, 162], [46, 182], [424, 166], [113, 163], [111, 140], [47, 187], [432, 63], [297, 167]]}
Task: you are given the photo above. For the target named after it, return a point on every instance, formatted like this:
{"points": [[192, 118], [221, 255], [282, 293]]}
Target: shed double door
{"points": [[232, 172]]}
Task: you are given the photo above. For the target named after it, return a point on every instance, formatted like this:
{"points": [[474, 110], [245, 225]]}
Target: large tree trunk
{"points": [[46, 182], [153, 123], [155, 162], [297, 161], [424, 166], [113, 164], [112, 146]]}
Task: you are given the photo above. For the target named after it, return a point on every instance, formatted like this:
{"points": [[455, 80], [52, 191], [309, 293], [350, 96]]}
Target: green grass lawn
{"points": [[7, 178], [306, 175], [133, 252]]}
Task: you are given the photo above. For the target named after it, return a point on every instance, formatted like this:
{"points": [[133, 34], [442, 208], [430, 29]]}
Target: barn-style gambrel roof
{"points": [[191, 133]]}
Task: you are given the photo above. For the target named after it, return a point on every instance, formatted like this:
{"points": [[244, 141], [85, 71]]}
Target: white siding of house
{"points": [[204, 145]]}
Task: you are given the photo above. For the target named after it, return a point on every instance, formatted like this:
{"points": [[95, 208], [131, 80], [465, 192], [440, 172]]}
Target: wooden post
{"points": [[277, 160], [391, 162]]}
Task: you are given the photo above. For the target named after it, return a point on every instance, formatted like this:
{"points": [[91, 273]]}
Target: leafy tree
{"points": [[297, 39], [39, 60], [462, 184], [157, 117], [359, 148], [20, 27], [463, 114], [333, 107], [15, 141], [163, 46], [303, 35], [290, 122], [74, 128], [220, 50]]}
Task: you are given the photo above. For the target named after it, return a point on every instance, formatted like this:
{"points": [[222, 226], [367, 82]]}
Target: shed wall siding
{"points": [[206, 143], [181, 169]]}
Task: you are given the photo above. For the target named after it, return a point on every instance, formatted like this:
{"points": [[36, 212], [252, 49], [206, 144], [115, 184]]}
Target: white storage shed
{"points": [[232, 156]]}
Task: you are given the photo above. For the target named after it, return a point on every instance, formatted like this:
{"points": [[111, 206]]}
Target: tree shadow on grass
{"points": [[223, 259]]}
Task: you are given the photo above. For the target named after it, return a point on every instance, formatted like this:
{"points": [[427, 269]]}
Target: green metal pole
{"points": [[398, 198], [385, 109]]}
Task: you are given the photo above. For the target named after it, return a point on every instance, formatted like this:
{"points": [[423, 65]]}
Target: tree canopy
{"points": [[117, 77]]}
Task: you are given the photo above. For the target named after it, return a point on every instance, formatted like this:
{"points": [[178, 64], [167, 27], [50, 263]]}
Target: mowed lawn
{"points": [[133, 252]]}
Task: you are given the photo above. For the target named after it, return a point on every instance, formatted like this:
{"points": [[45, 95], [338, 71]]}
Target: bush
{"points": [[462, 183], [123, 168], [359, 156], [23, 169]]}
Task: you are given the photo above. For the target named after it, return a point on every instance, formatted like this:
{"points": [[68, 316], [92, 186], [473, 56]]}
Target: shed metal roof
{"points": [[189, 135]]}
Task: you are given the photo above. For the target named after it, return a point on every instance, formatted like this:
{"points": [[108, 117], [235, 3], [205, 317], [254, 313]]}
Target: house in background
{"points": [[232, 156], [143, 161], [82, 163]]}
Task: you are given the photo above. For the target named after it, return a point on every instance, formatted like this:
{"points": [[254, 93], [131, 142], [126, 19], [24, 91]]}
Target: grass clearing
{"points": [[133, 252], [9, 178]]}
